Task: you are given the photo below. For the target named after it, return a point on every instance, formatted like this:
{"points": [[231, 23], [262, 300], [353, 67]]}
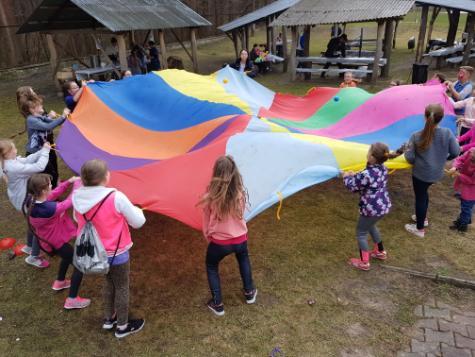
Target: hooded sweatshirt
{"points": [[112, 219], [50, 220], [465, 182], [19, 170]]}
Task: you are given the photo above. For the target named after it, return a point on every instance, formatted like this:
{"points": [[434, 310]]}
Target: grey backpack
{"points": [[90, 257]]}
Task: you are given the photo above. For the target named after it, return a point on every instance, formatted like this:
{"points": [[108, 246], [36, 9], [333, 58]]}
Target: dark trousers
{"points": [[116, 293], [463, 131], [466, 211], [66, 253], [215, 254], [51, 168], [421, 192], [328, 64]]}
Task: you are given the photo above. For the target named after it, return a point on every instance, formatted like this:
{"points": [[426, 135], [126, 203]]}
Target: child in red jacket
{"points": [[464, 171]]}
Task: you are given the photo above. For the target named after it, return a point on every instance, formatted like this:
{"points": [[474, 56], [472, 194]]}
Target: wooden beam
{"points": [[468, 46], [122, 52], [53, 59], [285, 52], [268, 32], [435, 13], [194, 50], [272, 47], [454, 17], [293, 50], [388, 45], [422, 33], [163, 49], [182, 44], [379, 51], [69, 53]]}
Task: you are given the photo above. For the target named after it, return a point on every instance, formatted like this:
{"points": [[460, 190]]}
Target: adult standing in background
{"points": [[154, 64]]}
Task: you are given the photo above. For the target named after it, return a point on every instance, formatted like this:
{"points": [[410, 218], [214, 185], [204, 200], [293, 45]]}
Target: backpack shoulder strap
{"points": [[98, 208]]}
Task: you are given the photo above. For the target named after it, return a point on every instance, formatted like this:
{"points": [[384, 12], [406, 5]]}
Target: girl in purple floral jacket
{"points": [[371, 183]]}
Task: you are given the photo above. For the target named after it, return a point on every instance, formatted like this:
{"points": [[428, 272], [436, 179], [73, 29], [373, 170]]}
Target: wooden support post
{"points": [[454, 17], [435, 13], [272, 47], [246, 36], [285, 52], [268, 36], [293, 53], [132, 38], [306, 50], [194, 50], [235, 43], [468, 45], [122, 52], [53, 58], [379, 51], [163, 49], [422, 33], [395, 33], [388, 44]]}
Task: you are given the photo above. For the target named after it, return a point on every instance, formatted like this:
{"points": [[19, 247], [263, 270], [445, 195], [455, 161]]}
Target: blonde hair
{"points": [[94, 172], [225, 194], [6, 146], [433, 114]]}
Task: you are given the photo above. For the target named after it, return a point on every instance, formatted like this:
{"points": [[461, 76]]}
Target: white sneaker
{"points": [[426, 221], [412, 228], [38, 262], [26, 250]]}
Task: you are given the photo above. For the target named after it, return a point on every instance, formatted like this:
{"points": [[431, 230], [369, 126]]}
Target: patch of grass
{"points": [[301, 257]]}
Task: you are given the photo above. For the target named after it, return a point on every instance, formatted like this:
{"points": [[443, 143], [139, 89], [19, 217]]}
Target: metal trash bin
{"points": [[419, 73]]}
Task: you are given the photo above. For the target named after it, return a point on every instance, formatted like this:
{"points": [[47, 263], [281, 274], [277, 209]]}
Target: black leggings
{"points": [[421, 191], [66, 253]]}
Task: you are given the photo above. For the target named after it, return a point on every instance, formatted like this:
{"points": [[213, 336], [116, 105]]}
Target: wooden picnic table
{"points": [[88, 72], [348, 61], [340, 61]]}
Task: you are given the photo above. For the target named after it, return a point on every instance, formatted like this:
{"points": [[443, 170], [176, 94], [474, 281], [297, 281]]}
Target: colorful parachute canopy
{"points": [[162, 132]]}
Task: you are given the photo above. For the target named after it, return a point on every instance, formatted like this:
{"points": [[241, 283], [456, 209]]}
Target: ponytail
{"points": [[433, 114]]}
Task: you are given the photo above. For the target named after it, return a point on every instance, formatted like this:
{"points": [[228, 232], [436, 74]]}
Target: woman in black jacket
{"points": [[244, 64]]}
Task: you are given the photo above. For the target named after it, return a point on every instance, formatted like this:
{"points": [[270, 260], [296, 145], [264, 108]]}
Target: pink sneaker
{"points": [[381, 255], [76, 303], [38, 262], [361, 264], [61, 284]]}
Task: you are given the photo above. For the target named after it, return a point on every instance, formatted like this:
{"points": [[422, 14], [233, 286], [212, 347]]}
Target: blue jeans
{"points": [[32, 242], [466, 210], [215, 254]]}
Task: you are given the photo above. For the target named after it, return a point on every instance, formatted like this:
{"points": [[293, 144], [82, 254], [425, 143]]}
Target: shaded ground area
{"points": [[295, 260]]}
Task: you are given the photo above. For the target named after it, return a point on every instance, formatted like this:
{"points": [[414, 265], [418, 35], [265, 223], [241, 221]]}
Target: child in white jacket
{"points": [[17, 171]]}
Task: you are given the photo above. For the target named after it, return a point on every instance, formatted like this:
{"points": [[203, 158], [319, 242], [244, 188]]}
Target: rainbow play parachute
{"points": [[161, 133]]}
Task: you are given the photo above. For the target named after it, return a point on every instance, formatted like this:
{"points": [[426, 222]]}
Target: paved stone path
{"points": [[442, 330]]}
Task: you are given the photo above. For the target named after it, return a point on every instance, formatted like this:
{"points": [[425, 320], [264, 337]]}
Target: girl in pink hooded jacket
{"points": [[111, 213], [50, 222], [464, 171]]}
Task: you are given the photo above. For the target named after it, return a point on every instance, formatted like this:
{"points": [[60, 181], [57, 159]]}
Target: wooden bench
{"points": [[348, 61], [334, 70], [458, 59]]}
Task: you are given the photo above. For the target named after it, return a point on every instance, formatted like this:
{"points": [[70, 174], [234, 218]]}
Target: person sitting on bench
{"points": [[336, 47]]}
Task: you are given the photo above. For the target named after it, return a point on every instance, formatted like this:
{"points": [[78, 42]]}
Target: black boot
{"points": [[455, 225], [462, 227]]}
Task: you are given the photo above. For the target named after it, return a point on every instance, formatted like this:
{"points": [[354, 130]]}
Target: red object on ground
{"points": [[17, 250], [7, 243]]}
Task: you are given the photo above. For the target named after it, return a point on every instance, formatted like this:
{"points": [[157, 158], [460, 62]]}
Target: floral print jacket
{"points": [[372, 184]]}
